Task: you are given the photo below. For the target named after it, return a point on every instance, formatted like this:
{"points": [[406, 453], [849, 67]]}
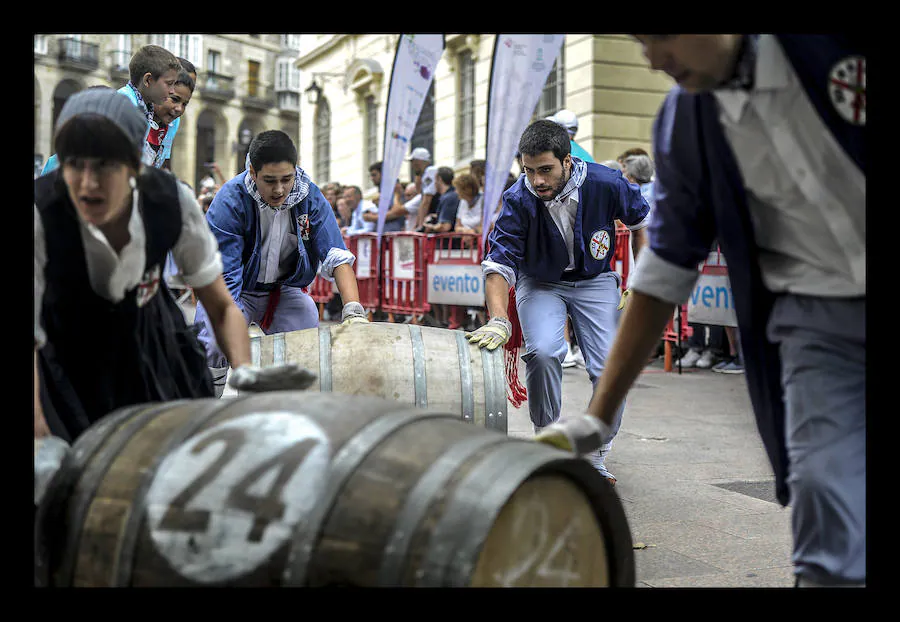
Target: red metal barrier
{"points": [[621, 262], [403, 274], [365, 248], [670, 335], [454, 248]]}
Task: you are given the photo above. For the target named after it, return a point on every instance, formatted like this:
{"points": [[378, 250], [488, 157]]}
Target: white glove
{"points": [[49, 453], [492, 335], [287, 377], [353, 313], [581, 434]]}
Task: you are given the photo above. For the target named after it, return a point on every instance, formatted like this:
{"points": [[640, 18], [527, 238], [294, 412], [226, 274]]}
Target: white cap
{"points": [[420, 153], [567, 119]]}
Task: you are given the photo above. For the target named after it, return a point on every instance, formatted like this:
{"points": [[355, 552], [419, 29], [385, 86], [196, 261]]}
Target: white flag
{"points": [[411, 76], [519, 71]]}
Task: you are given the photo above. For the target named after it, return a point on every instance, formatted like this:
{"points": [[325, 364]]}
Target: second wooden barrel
{"points": [[313, 489], [422, 366]]}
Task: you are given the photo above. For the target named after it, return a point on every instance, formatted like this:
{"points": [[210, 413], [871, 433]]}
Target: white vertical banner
{"points": [[519, 72], [416, 58]]}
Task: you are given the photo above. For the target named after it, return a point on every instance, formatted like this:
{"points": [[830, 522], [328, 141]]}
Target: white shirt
{"points": [[806, 197], [357, 224], [563, 214], [428, 180], [279, 244], [470, 215], [196, 253], [412, 209]]}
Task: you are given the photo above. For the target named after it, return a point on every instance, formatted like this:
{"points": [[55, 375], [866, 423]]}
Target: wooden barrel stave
{"points": [[409, 497], [422, 366]]}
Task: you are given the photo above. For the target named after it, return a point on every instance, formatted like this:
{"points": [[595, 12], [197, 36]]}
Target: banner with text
{"points": [[711, 301], [519, 72], [411, 76]]}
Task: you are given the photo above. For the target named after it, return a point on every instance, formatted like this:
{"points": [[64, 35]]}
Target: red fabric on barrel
{"points": [[517, 393]]}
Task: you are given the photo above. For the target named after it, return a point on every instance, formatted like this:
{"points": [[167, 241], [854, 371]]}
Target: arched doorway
{"points": [[212, 144], [63, 91], [245, 134]]}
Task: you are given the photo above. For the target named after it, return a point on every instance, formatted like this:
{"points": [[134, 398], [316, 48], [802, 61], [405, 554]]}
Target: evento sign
{"points": [[455, 285], [712, 302]]}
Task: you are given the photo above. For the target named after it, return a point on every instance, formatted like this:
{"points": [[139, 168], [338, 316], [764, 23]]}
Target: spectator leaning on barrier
{"points": [[357, 207], [534, 248], [448, 204], [761, 145], [395, 217], [469, 216], [274, 228], [420, 159]]}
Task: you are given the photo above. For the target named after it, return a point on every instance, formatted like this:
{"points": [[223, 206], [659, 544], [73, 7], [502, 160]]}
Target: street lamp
{"points": [[314, 91]]}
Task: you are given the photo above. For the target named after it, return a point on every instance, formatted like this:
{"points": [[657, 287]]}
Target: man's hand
{"points": [[353, 313], [581, 434], [492, 335], [287, 377], [623, 299]]}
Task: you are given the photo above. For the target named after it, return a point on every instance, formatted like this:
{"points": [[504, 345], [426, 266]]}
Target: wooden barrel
{"points": [[422, 366], [314, 489]]}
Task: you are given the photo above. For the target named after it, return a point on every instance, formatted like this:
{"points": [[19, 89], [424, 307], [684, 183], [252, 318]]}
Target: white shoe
{"points": [[707, 359], [570, 360], [690, 359], [579, 358]]}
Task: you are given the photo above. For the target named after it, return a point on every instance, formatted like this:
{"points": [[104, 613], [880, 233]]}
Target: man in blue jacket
{"points": [[274, 228], [554, 241], [761, 146]]}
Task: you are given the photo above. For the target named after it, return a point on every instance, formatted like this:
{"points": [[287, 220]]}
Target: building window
{"points": [[291, 42], [288, 100], [213, 60], [252, 78], [423, 136], [553, 96], [40, 44], [287, 77], [465, 127], [371, 131], [322, 141], [185, 46]]}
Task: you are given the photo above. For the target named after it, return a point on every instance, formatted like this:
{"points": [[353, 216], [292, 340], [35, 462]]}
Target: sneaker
{"points": [[707, 359], [731, 367], [579, 358], [690, 359], [569, 361]]}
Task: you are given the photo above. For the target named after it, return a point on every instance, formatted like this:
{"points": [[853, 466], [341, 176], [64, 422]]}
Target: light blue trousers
{"points": [[542, 307], [295, 311], [823, 357]]}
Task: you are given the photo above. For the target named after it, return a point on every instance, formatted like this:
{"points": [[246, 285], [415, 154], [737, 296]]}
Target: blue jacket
{"points": [[526, 239], [233, 217], [700, 197]]}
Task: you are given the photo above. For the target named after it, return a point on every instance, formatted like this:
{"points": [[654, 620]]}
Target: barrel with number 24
{"points": [[313, 489]]}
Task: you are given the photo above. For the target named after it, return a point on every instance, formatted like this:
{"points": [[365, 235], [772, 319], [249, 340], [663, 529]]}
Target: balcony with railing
{"points": [[118, 65], [288, 102], [257, 95], [216, 86], [78, 54]]}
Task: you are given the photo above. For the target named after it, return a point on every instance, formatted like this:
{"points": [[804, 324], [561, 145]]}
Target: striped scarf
{"points": [[579, 174], [297, 193]]}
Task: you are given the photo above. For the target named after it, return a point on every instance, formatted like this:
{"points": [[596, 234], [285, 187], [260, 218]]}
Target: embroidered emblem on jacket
{"points": [[847, 89], [599, 244], [303, 222]]}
